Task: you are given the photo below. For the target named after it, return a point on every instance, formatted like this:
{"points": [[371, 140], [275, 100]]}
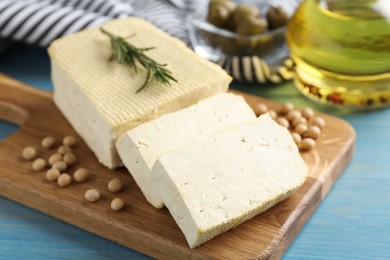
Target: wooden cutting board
{"points": [[140, 226]]}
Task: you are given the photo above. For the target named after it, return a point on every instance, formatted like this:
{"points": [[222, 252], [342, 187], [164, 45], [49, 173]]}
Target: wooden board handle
{"points": [[19, 95], [18, 101], [12, 113]]}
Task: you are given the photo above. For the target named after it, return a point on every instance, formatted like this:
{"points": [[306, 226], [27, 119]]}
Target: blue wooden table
{"points": [[353, 222]]}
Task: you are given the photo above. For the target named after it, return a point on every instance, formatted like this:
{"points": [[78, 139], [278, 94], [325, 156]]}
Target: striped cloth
{"points": [[39, 22]]}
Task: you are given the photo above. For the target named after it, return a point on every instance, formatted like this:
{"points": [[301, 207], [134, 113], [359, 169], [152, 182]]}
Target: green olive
{"points": [[276, 17], [220, 12], [242, 12], [218, 16], [225, 3], [251, 26]]}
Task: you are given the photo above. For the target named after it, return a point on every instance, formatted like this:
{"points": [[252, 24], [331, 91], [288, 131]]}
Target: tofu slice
{"points": [[98, 96], [220, 181], [140, 147]]}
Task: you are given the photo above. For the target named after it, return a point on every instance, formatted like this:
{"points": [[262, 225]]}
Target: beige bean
{"points": [[64, 180], [292, 115], [38, 164], [287, 107], [283, 122], [261, 108], [115, 185], [60, 165], [52, 174], [55, 158], [308, 113], [69, 141], [48, 142], [29, 153], [92, 195], [70, 159], [63, 149], [297, 138], [117, 204], [299, 120], [301, 129], [319, 121], [307, 143], [313, 132], [272, 114], [81, 175]]}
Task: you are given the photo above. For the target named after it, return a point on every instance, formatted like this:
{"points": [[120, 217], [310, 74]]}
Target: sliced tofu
{"points": [[140, 147], [98, 96], [220, 181]]}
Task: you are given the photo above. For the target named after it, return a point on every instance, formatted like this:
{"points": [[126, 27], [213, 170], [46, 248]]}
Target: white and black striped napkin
{"points": [[39, 22]]}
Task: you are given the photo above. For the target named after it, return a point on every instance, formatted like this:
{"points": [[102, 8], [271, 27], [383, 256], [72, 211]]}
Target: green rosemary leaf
{"points": [[125, 53]]}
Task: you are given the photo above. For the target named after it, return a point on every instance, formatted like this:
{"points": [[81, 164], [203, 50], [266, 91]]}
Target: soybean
{"points": [[319, 121], [63, 149], [313, 132], [283, 122], [38, 164], [29, 153], [48, 142], [307, 143], [287, 107], [117, 204], [69, 141], [64, 180], [92, 195], [115, 185], [301, 128], [55, 158], [308, 113], [294, 114], [81, 175], [272, 114], [299, 120], [261, 108], [70, 159], [60, 165], [297, 138], [52, 174]]}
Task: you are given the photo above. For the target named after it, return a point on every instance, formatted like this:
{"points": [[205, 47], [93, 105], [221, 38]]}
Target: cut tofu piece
{"points": [[140, 147], [220, 181], [98, 96]]}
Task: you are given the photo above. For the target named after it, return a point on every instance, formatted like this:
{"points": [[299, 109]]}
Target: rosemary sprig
{"points": [[126, 53]]}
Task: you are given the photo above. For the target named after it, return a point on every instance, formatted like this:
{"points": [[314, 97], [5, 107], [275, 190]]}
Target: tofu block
{"points": [[98, 96], [220, 181], [141, 146]]}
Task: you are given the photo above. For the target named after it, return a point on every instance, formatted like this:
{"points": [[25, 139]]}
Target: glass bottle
{"points": [[342, 51]]}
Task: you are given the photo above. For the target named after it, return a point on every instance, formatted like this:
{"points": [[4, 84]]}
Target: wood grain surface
{"points": [[140, 226]]}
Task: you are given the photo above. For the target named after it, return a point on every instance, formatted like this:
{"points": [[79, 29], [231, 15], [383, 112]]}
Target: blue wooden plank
{"points": [[6, 129], [27, 64], [26, 233]]}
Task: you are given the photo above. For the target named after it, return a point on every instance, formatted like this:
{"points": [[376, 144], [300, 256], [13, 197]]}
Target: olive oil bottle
{"points": [[342, 51]]}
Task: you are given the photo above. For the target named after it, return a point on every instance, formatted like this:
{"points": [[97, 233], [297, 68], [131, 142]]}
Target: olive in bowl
{"points": [[239, 29]]}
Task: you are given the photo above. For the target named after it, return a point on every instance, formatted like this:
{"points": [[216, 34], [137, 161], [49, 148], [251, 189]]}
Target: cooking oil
{"points": [[342, 51]]}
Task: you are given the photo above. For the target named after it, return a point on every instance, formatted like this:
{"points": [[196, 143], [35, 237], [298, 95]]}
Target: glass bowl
{"points": [[216, 44], [260, 59]]}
